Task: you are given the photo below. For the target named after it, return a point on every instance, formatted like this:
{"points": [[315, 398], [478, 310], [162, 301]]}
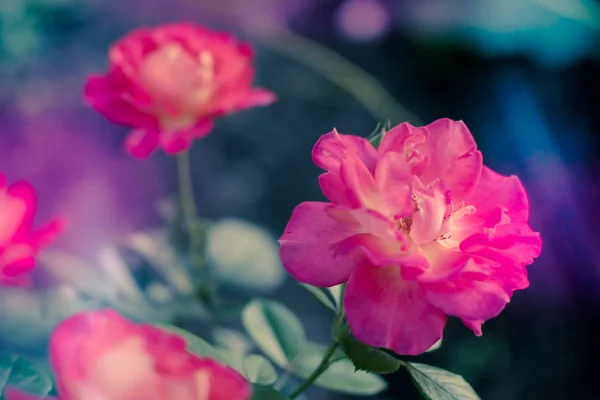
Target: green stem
{"points": [[331, 362], [186, 190], [318, 371], [364, 87], [339, 332], [194, 227]]}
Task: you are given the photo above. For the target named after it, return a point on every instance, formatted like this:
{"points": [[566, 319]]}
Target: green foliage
{"points": [[255, 368], [274, 329], [436, 346], [341, 376], [253, 263], [376, 140], [79, 273], [324, 297], [236, 344], [197, 345], [168, 296], [370, 359], [377, 135], [23, 375], [280, 335], [439, 384], [259, 370], [337, 292], [262, 392]]}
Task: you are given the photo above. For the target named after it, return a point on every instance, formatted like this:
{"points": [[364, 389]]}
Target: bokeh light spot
{"points": [[362, 20]]}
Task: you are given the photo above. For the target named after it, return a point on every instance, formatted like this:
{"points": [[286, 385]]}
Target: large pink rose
{"points": [[20, 243], [170, 82], [418, 228], [99, 355]]}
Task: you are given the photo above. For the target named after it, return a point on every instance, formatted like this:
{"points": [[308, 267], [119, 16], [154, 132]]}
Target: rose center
{"points": [[404, 224], [182, 85]]}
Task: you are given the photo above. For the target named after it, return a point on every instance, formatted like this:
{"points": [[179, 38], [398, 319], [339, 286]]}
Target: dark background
{"points": [[523, 74]]}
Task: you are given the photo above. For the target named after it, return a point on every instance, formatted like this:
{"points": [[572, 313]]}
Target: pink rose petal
{"points": [[385, 311]]}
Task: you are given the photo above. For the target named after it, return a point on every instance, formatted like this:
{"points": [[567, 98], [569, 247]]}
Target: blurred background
{"points": [[523, 74]]}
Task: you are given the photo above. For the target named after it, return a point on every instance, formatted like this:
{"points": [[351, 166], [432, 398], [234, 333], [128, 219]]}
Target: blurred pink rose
{"points": [[169, 83], [419, 229], [99, 355], [14, 394], [19, 242]]}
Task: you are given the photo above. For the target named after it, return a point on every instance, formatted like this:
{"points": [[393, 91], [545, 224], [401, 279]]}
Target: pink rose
{"points": [[419, 229], [170, 82], [19, 242], [99, 355]]}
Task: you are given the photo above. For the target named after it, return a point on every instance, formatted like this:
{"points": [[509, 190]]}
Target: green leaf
{"points": [[377, 135], [376, 140], [262, 392], [370, 359], [25, 376], [274, 329], [340, 376], [230, 309], [337, 292], [439, 384], [388, 125], [236, 344], [253, 263], [321, 296], [259, 370], [155, 248], [375, 131], [436, 346], [197, 345], [114, 266], [79, 273]]}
